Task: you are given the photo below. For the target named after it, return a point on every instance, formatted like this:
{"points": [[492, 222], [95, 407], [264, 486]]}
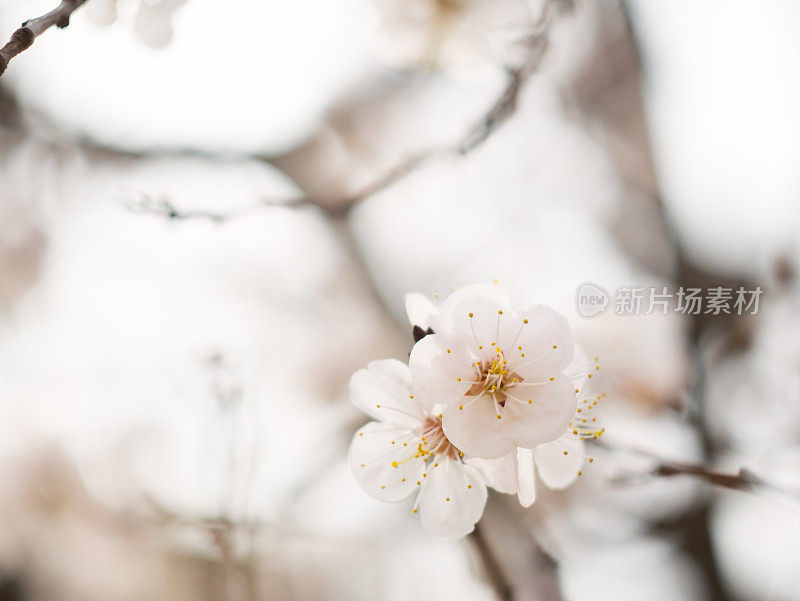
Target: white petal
{"points": [[544, 419], [473, 427], [544, 330], [444, 375], [579, 367], [384, 390], [500, 474], [485, 303], [421, 311], [375, 451], [451, 499], [526, 475], [556, 469]]}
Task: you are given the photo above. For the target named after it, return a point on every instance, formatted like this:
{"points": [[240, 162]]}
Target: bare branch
{"points": [[23, 38], [535, 44], [743, 479], [491, 567]]}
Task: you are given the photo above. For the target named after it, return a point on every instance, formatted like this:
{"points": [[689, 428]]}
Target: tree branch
{"points": [[743, 479], [536, 44], [23, 38], [491, 566]]}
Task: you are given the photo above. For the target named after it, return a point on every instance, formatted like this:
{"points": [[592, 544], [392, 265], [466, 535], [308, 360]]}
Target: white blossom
{"points": [[452, 33], [502, 373], [153, 21], [405, 452], [558, 463]]}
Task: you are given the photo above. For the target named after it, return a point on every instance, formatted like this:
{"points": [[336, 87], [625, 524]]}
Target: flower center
{"points": [[494, 379], [434, 441]]}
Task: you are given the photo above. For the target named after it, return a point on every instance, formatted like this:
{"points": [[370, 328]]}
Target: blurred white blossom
{"points": [[452, 33], [153, 21]]}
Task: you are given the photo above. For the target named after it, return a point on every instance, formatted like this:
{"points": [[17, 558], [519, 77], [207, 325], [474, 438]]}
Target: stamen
{"points": [[532, 361]]}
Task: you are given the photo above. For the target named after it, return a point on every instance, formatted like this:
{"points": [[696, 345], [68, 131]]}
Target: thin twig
{"points": [[23, 38], [536, 44], [743, 479]]}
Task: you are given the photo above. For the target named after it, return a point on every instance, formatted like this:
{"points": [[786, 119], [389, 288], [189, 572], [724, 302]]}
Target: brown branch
{"points": [[491, 566], [743, 479], [536, 44], [737, 481], [23, 38]]}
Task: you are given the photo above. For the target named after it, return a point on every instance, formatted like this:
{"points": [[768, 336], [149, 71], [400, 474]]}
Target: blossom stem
{"points": [[491, 566]]}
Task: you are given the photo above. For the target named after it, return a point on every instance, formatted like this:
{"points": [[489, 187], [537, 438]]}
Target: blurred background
{"points": [[210, 211]]}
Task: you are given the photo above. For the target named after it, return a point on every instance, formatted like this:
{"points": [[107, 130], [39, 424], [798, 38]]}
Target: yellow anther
{"points": [[449, 351], [447, 498], [499, 416], [362, 465], [414, 510], [522, 354], [524, 321], [402, 479], [580, 473], [383, 487], [418, 482], [461, 406], [552, 378], [530, 401], [480, 347], [519, 347], [591, 459], [469, 485], [378, 406], [411, 396], [471, 315], [394, 464], [554, 347], [435, 465], [458, 379], [566, 453]]}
